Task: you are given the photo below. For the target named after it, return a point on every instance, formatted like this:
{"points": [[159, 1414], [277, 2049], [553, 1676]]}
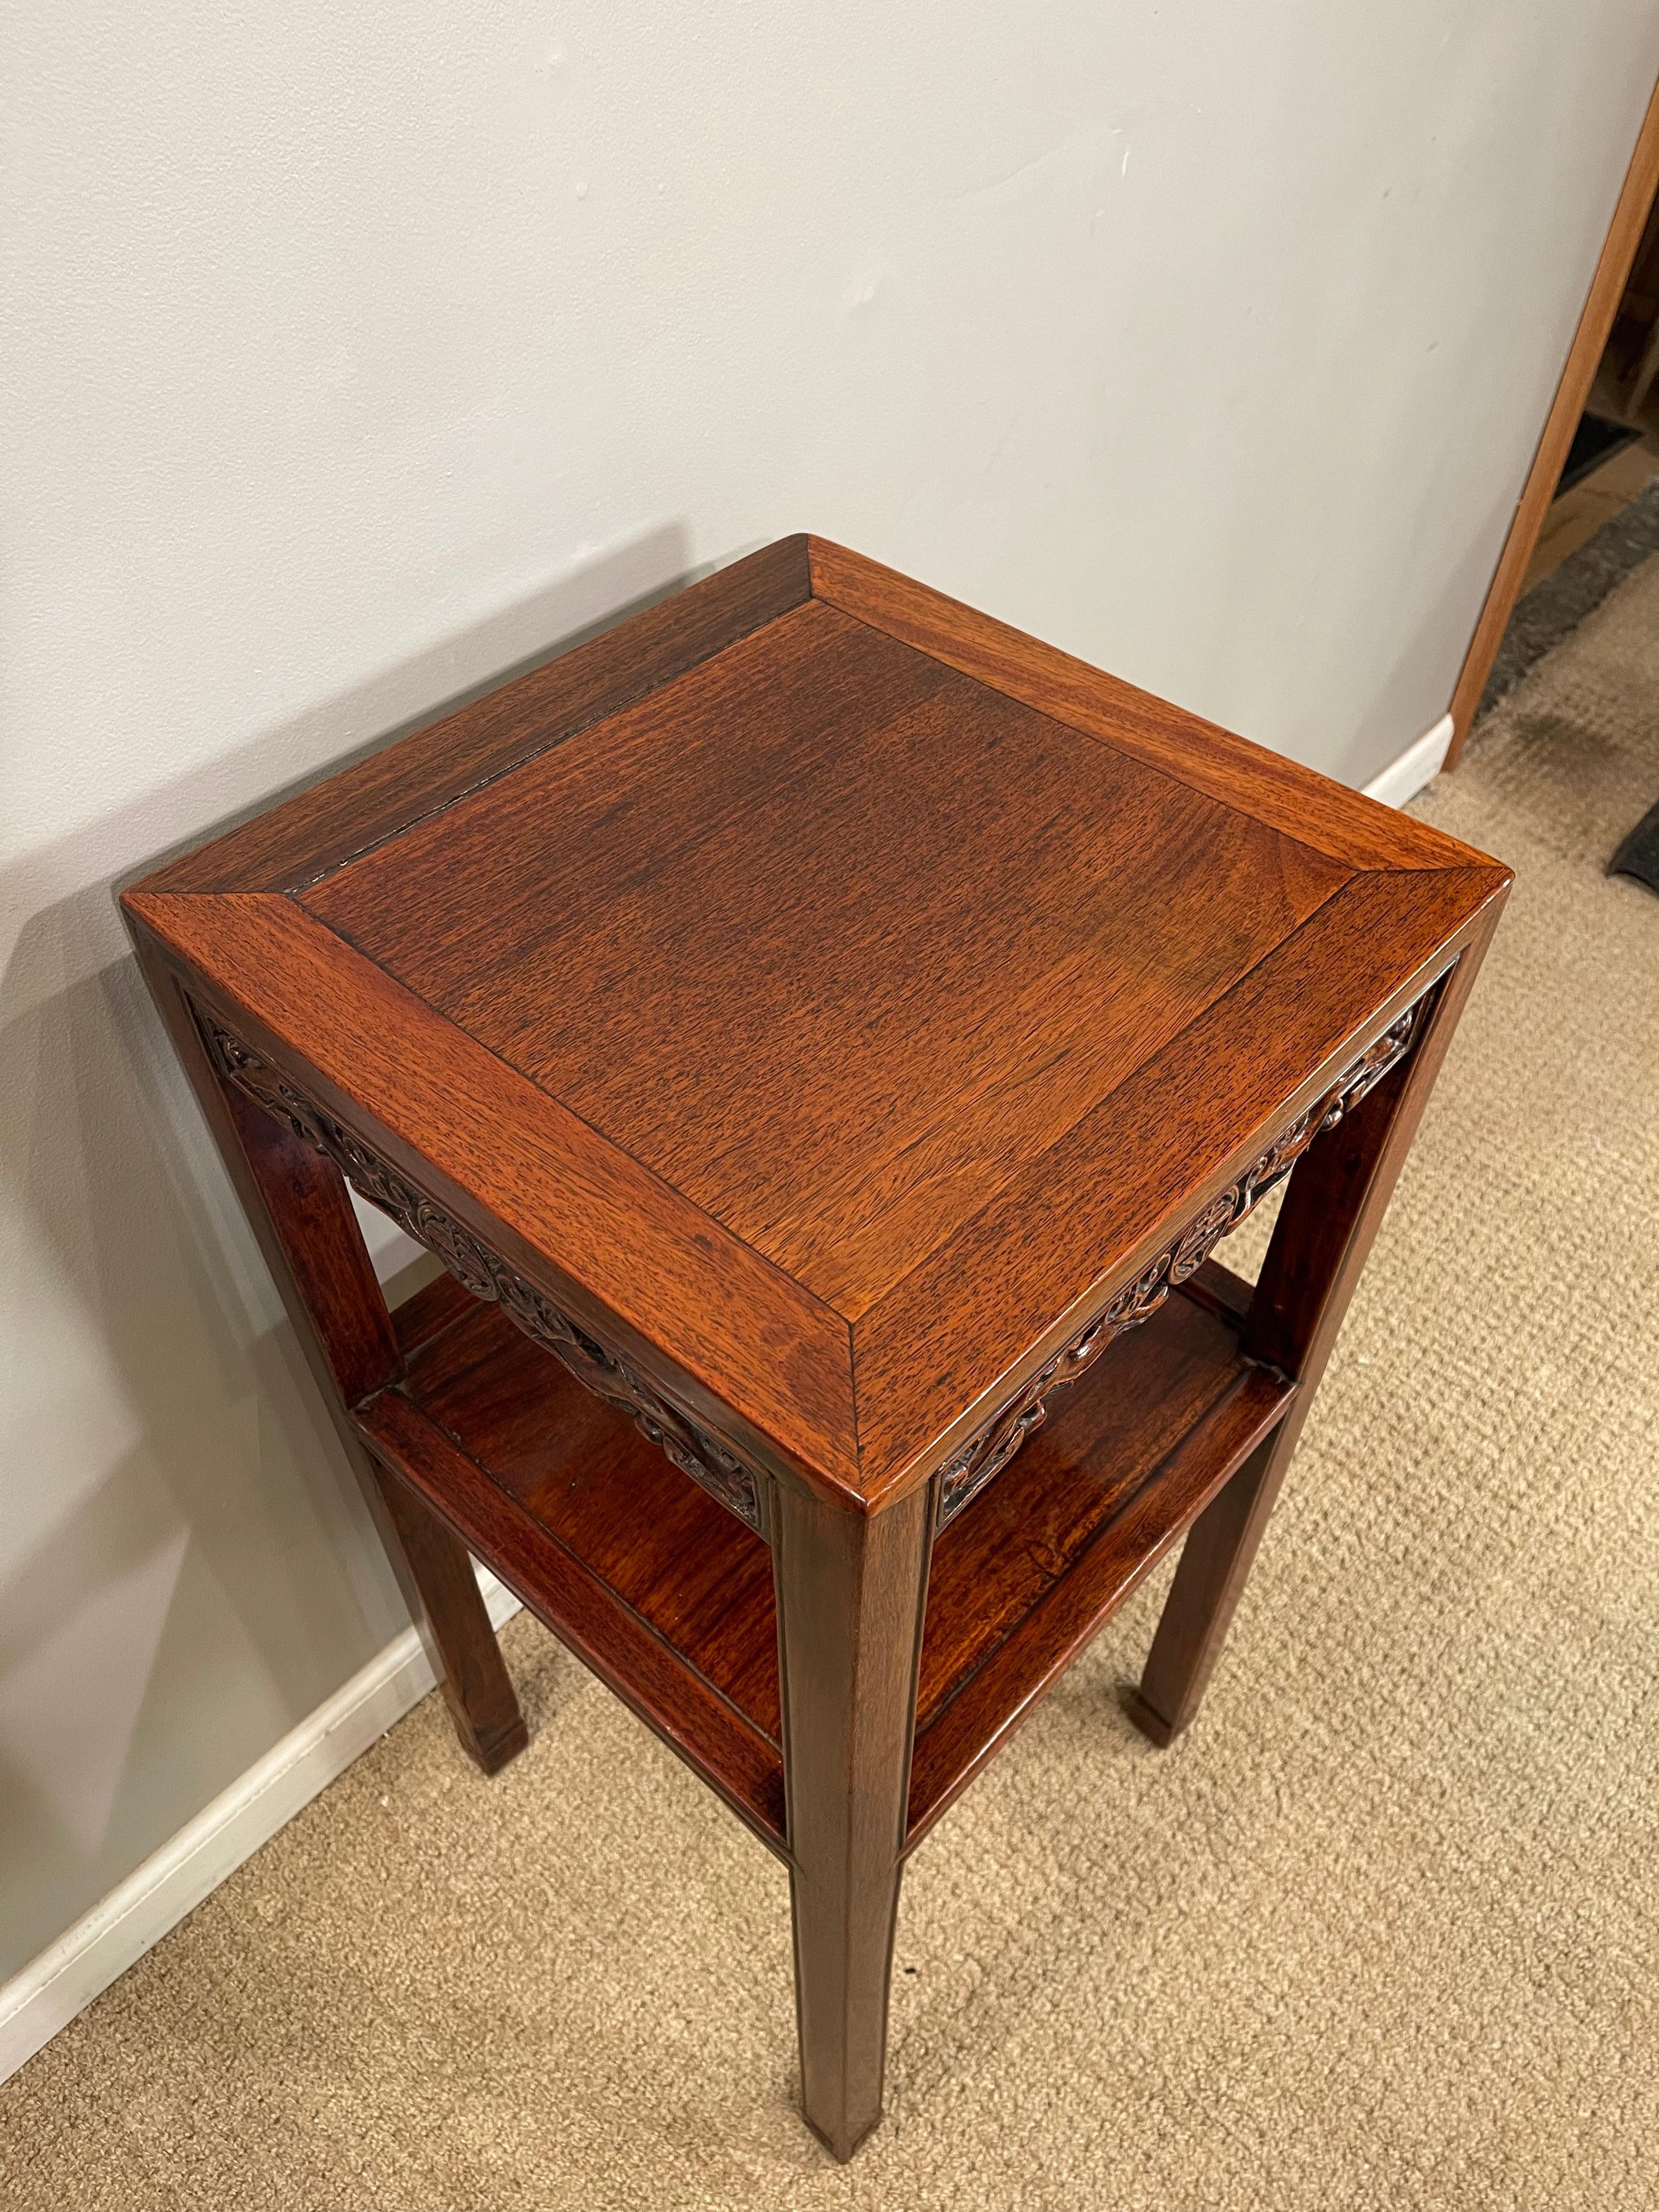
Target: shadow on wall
{"points": [[185, 1567]]}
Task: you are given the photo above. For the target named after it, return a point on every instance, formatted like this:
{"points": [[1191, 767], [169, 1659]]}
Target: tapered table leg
{"points": [[1215, 1565], [449, 1611], [297, 1205], [1334, 1205], [851, 1592]]}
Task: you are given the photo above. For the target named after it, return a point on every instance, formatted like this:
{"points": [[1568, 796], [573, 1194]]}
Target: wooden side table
{"points": [[824, 1034]]}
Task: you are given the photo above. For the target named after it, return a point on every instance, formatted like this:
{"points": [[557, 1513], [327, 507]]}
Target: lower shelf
{"points": [[1027, 1573], [668, 1598], [662, 1592]]}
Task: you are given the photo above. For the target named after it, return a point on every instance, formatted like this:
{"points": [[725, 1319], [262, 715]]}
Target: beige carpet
{"points": [[1383, 1931]]}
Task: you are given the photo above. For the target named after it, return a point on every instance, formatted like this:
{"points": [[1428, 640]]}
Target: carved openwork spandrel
{"points": [[991, 1448], [488, 1276]]}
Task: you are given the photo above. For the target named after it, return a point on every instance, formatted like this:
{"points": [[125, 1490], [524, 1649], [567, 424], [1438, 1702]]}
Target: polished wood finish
{"points": [[851, 1591], [468, 1662], [1629, 218], [584, 1613], [297, 1206], [484, 1273], [1092, 1504], [1331, 1212], [1106, 1437], [822, 1034], [757, 1067], [1323, 816], [672, 1600], [660, 1591], [516, 1169], [982, 1458], [357, 808], [605, 1002]]}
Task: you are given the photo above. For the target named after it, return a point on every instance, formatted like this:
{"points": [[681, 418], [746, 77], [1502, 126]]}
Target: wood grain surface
{"points": [[289, 845], [811, 1024], [672, 1600], [516, 1168], [912, 1001], [819, 990], [1249, 778]]}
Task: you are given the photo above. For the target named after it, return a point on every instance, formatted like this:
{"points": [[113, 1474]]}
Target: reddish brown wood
{"points": [[694, 1576], [297, 1207], [780, 1230], [467, 1660], [817, 1024], [521, 1174], [323, 1249], [1019, 1581], [353, 811], [1331, 1212], [991, 1703], [1130, 1438], [994, 1286], [749, 778], [1105, 1437], [1215, 1563], [850, 1593], [1263, 785], [487, 1275], [584, 1612], [1219, 1291], [426, 1313], [1183, 1255]]}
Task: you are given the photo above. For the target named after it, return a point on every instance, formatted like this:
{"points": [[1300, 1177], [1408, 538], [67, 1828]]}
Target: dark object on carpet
{"points": [[1596, 440], [1639, 856], [1560, 601]]}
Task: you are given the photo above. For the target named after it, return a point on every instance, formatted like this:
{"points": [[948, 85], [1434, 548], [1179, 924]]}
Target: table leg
{"points": [[435, 1568], [851, 1594], [1334, 1205], [297, 1203]]}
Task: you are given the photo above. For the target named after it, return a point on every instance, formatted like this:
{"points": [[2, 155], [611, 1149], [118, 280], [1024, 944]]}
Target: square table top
{"points": [[822, 989]]}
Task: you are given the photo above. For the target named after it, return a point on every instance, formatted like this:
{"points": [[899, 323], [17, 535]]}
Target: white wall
{"points": [[357, 352]]}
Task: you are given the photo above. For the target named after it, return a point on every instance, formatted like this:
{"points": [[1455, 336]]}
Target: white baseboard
{"points": [[1417, 766], [86, 1959]]}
